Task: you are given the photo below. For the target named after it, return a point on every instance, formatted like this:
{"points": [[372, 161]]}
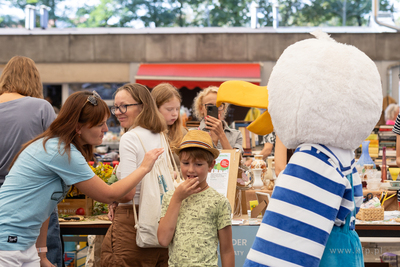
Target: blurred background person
{"points": [[222, 136], [56, 109], [269, 145], [391, 113], [387, 100]]}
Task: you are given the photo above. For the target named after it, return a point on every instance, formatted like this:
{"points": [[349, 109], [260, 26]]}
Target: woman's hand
{"points": [[248, 162], [150, 158], [44, 262], [216, 128], [187, 188], [111, 210]]}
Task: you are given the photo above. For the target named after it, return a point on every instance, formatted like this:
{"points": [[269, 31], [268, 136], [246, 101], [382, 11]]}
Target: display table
{"points": [[243, 235], [363, 230], [89, 226], [250, 194]]}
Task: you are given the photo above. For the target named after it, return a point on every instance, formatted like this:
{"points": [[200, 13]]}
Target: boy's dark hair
{"points": [[197, 153]]}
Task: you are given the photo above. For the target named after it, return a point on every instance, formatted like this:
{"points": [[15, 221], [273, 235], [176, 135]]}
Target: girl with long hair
{"points": [[168, 101]]}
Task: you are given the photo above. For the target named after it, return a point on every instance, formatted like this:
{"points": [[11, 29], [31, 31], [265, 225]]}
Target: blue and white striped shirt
{"points": [[396, 127], [311, 196]]}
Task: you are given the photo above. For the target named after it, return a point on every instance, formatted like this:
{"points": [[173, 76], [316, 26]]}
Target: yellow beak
{"points": [[246, 94]]}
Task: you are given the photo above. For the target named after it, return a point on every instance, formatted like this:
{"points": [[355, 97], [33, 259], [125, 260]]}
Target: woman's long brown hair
{"points": [[163, 93], [77, 110]]}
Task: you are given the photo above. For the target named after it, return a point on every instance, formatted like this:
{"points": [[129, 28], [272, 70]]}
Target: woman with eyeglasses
{"points": [[45, 168], [222, 136], [137, 112]]}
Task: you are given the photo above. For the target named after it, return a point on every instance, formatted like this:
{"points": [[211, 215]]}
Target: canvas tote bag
{"points": [[154, 185]]}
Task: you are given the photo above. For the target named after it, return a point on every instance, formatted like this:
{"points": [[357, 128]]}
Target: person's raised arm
{"points": [[100, 191], [280, 156], [266, 151], [226, 247], [224, 141], [217, 133], [167, 225]]}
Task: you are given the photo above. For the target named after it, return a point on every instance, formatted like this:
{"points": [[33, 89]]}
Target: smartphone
{"points": [[212, 111]]}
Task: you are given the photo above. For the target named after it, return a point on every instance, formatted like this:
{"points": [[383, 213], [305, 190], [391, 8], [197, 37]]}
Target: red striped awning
{"points": [[193, 75]]}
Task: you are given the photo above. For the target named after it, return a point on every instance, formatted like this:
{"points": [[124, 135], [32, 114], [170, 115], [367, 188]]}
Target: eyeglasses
{"points": [[122, 108], [219, 108]]}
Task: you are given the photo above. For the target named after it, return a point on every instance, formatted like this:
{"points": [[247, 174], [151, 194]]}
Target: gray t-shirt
{"points": [[21, 120]]}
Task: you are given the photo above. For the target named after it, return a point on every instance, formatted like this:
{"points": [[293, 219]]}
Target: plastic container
{"points": [[374, 184]]}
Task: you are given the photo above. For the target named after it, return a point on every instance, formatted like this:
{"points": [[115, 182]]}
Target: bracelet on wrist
{"points": [[41, 250]]}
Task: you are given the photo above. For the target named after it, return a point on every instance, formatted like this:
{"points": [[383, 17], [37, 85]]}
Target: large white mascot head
{"points": [[325, 92], [320, 91]]}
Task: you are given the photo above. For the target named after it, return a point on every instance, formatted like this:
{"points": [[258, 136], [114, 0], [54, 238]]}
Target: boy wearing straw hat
{"points": [[195, 216]]}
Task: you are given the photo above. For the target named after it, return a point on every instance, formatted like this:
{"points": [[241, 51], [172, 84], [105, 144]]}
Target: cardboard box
{"points": [[70, 205]]}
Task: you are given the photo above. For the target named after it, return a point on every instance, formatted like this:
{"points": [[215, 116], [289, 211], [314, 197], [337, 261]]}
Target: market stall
{"points": [[243, 234]]}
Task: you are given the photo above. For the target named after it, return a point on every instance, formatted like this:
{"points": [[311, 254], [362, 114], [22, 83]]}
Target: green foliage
{"points": [[50, 3], [216, 13], [100, 208], [290, 11], [265, 8], [97, 16], [339, 12], [9, 21], [231, 13], [161, 13]]}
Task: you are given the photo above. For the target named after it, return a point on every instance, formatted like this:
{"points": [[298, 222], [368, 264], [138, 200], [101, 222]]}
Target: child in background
{"points": [[168, 102], [195, 216]]}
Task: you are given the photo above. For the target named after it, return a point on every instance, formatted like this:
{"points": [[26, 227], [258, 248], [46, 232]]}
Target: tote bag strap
{"points": [[162, 138], [134, 212], [145, 151], [133, 199], [171, 159]]}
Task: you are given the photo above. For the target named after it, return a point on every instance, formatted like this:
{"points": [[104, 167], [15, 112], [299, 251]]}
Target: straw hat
{"points": [[200, 139]]}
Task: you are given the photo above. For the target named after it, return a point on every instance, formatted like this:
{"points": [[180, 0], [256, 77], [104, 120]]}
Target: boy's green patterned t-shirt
{"points": [[195, 241]]}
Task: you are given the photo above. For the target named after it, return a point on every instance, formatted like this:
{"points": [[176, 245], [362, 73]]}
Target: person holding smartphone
{"points": [[212, 120]]}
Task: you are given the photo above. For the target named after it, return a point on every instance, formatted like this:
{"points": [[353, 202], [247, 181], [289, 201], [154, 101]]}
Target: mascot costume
{"points": [[323, 99]]}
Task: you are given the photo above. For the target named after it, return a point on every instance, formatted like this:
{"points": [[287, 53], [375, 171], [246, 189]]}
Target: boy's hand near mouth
{"points": [[187, 188]]}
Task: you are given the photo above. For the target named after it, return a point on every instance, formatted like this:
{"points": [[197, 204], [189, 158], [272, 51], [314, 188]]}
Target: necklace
{"points": [[204, 188]]}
